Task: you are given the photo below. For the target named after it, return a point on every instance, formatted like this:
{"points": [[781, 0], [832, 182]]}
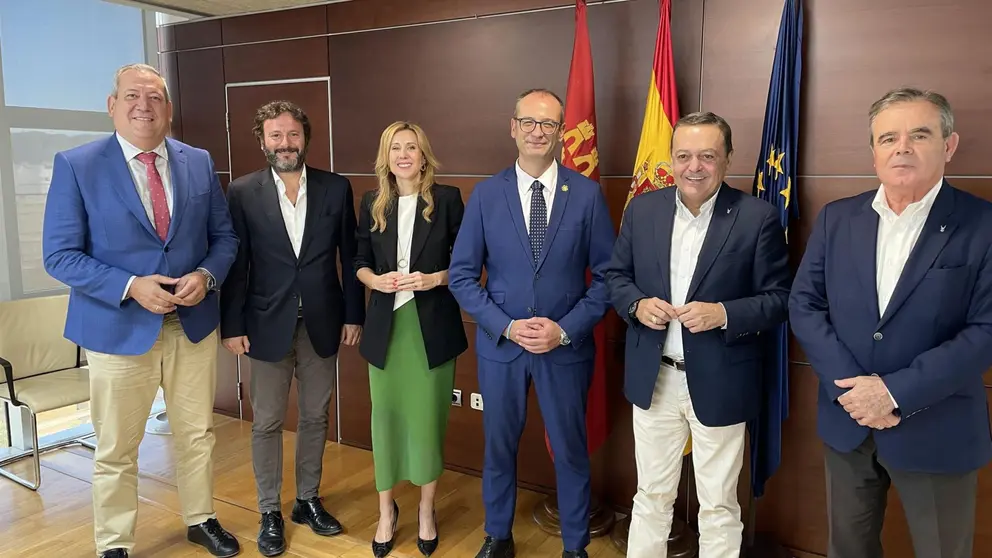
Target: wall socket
{"points": [[456, 398], [476, 401]]}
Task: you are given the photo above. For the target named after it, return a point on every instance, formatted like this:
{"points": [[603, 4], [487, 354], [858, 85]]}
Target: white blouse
{"points": [[406, 213]]}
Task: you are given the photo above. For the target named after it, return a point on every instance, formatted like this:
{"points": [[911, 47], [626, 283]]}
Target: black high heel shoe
{"points": [[428, 547], [382, 549]]}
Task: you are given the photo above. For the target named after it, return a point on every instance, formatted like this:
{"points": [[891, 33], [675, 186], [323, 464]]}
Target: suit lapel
{"points": [[123, 183], [179, 169], [269, 196], [390, 236], [421, 229], [557, 210], [936, 232], [663, 226], [863, 246], [516, 209], [721, 223], [316, 196]]}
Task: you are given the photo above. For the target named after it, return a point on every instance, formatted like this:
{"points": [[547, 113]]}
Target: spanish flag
{"points": [[653, 166]]}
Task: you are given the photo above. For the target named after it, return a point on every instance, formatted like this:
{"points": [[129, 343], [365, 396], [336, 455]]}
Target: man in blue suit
{"points": [[137, 226], [536, 227], [699, 272], [893, 305]]}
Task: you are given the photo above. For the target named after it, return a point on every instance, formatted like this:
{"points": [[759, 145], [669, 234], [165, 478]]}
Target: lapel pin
{"points": [[728, 210], [942, 227], [564, 188]]}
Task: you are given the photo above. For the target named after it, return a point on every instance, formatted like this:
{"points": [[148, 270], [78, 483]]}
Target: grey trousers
{"points": [[270, 383], [940, 509]]}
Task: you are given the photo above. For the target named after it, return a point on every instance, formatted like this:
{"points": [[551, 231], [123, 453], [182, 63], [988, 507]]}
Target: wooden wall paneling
{"points": [[169, 66], [372, 14], [197, 34], [268, 26], [225, 179], [244, 101], [201, 86], [297, 58]]}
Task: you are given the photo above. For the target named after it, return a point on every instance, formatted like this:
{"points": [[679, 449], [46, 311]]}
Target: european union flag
{"points": [[775, 182]]}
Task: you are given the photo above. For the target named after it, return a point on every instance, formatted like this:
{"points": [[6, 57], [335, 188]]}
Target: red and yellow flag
{"points": [[579, 153], [653, 165]]}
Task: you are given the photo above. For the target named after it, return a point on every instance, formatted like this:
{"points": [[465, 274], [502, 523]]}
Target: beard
{"points": [[282, 165]]}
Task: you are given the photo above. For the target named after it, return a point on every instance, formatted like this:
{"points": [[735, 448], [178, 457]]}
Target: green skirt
{"points": [[410, 405]]}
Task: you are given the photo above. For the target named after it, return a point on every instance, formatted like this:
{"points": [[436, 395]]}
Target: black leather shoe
{"points": [[497, 548], [428, 547], [271, 536], [574, 554], [382, 549], [311, 512], [214, 538], [114, 553]]}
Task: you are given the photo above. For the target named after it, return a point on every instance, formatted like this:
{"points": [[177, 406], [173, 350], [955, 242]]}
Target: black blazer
{"points": [[261, 294], [440, 316]]}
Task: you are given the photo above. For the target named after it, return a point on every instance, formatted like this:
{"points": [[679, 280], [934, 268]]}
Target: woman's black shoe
{"points": [[382, 549], [428, 547]]}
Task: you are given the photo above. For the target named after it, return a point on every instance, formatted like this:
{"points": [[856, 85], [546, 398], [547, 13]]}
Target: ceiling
{"points": [[209, 8]]}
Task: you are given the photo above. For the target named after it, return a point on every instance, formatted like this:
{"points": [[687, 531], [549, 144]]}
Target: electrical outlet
{"points": [[456, 398], [477, 401]]}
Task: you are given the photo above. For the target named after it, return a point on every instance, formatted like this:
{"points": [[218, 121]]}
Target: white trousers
{"points": [[660, 435]]}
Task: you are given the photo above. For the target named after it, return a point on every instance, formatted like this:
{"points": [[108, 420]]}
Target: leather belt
{"points": [[676, 364]]}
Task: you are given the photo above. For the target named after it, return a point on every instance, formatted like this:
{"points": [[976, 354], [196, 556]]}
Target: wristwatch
{"points": [[563, 338], [211, 282], [632, 309]]}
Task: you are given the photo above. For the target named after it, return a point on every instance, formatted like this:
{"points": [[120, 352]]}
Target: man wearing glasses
{"points": [[536, 228]]}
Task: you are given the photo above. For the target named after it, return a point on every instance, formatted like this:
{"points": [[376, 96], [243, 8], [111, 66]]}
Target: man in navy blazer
{"points": [[699, 272], [892, 304], [536, 227], [138, 228]]}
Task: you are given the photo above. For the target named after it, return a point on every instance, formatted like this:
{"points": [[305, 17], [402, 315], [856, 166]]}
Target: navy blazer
{"points": [[743, 263], [932, 345], [493, 234]]}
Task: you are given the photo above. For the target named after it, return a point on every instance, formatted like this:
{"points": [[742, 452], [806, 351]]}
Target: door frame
{"points": [[330, 132]]}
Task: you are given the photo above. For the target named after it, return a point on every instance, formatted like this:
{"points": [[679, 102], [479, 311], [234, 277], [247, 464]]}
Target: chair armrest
{"points": [[8, 372]]}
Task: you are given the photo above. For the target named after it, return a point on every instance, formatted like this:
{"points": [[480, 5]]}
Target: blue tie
{"points": [[538, 219]]}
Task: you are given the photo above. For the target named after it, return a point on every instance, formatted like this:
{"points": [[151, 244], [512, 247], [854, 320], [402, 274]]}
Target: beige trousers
{"points": [[660, 435], [122, 390]]}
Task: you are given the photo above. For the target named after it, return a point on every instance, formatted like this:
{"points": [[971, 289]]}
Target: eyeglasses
{"points": [[527, 125]]}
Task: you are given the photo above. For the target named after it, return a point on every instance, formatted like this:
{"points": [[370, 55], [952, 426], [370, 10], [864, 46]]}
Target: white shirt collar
{"points": [[549, 179], [130, 151], [705, 210], [281, 186], [915, 210]]}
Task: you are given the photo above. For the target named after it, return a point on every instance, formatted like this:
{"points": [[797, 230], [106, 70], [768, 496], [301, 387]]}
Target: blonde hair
{"points": [[387, 190]]}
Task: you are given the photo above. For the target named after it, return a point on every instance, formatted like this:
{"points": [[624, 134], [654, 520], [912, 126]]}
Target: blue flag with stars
{"points": [[775, 182]]}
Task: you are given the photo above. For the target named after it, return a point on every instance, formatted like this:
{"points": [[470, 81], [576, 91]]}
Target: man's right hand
{"points": [[148, 292], [237, 345], [655, 313], [387, 283], [521, 329]]}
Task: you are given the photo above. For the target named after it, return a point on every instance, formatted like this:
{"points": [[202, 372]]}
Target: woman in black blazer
{"points": [[413, 325]]}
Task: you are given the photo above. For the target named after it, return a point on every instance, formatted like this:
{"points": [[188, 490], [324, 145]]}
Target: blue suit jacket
{"points": [[743, 264], [932, 345], [493, 234], [97, 235]]}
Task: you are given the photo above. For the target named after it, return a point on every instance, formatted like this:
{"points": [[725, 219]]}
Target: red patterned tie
{"points": [[160, 208]]}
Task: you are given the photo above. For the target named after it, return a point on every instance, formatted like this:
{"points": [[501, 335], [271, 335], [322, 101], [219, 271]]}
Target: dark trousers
{"points": [[940, 509], [561, 394], [270, 383]]}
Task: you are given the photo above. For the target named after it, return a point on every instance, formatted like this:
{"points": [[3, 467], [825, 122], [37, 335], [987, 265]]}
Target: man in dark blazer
{"points": [[536, 227], [699, 272], [284, 307], [893, 306]]}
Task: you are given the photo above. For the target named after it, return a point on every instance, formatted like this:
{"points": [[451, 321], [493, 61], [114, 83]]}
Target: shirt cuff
{"points": [[127, 287], [894, 404], [726, 318], [506, 332]]}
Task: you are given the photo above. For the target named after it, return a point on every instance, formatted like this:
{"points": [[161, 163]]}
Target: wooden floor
{"points": [[57, 520]]}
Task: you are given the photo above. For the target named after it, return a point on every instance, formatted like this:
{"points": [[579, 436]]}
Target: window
{"points": [[33, 153], [62, 54]]}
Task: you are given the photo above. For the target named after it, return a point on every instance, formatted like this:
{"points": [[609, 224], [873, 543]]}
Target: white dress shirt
{"points": [[688, 233], [549, 179], [294, 216], [140, 176], [897, 235], [406, 213]]}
